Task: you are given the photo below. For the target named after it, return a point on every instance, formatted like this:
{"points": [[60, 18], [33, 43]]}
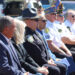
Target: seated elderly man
{"points": [[9, 62], [35, 45], [64, 34], [70, 24], [52, 36]]}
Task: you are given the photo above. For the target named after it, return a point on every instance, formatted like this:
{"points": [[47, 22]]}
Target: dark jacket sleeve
{"points": [[35, 53], [31, 61], [5, 68], [26, 61]]}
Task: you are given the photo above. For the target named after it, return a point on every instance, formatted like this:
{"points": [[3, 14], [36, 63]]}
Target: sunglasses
{"points": [[73, 16], [33, 19], [39, 20], [36, 20], [44, 20], [61, 15], [53, 13]]}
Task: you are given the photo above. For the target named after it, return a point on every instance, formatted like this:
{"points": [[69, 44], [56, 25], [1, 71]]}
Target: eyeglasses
{"points": [[73, 16], [61, 15], [32, 19], [53, 13], [39, 20], [44, 20], [35, 20]]}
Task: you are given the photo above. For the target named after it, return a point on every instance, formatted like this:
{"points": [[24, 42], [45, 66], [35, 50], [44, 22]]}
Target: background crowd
{"points": [[40, 42]]}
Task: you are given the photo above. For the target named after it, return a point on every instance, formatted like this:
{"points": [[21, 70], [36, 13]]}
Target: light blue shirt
{"points": [[51, 54]]}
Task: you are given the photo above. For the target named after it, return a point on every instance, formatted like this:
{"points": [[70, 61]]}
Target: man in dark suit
{"points": [[35, 46], [9, 63]]}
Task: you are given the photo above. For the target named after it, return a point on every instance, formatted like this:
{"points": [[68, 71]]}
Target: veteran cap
{"points": [[50, 10], [55, 7], [55, 3]]}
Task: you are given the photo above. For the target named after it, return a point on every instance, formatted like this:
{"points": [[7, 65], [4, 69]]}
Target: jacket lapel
{"points": [[14, 54], [44, 43], [9, 48]]}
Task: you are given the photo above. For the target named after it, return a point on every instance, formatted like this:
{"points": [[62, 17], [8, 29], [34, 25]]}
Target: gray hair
{"points": [[19, 31], [70, 11], [5, 21]]}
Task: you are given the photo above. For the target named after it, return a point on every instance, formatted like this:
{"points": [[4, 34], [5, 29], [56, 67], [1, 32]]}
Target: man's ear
{"points": [[46, 15], [5, 30]]}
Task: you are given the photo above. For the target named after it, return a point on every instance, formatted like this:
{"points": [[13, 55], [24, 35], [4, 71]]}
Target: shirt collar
{"points": [[40, 31], [56, 22], [4, 38], [68, 21], [49, 23]]}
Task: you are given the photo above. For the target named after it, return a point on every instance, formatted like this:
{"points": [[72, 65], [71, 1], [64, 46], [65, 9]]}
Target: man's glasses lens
{"points": [[53, 13], [44, 20], [73, 16], [35, 20], [39, 20]]}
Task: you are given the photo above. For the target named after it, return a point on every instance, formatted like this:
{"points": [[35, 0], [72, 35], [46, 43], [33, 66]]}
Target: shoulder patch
{"points": [[59, 30], [30, 38], [46, 30]]}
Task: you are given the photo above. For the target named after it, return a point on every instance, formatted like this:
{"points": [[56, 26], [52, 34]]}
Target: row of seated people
{"points": [[9, 62], [38, 48], [32, 49], [60, 40], [33, 41]]}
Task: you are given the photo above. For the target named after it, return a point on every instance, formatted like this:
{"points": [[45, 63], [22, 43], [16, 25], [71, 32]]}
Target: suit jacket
{"points": [[9, 63], [26, 61], [35, 47]]}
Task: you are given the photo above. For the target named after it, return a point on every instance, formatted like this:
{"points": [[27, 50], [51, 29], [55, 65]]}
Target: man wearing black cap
{"points": [[9, 62], [35, 46]]}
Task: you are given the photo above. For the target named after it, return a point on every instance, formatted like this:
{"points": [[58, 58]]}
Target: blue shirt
{"points": [[51, 54]]}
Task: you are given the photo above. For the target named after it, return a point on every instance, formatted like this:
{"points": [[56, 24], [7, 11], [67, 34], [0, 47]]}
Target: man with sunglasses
{"points": [[31, 18], [70, 24], [70, 20]]}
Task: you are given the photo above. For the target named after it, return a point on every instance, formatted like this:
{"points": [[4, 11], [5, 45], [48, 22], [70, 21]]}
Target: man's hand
{"points": [[26, 73], [51, 62], [43, 70], [57, 59], [68, 53]]}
